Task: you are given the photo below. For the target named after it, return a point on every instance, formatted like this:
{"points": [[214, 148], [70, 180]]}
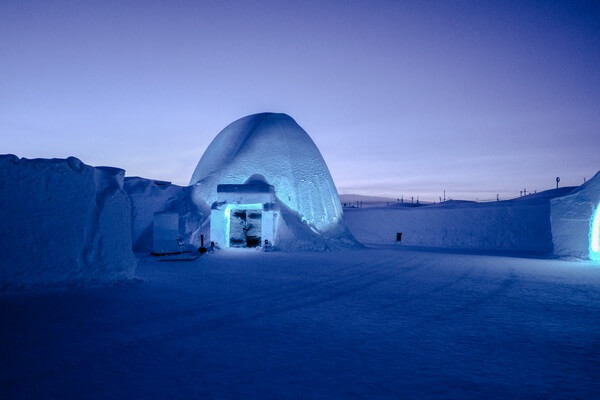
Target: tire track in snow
{"points": [[437, 289], [315, 284], [184, 325], [306, 292], [160, 329], [499, 290]]}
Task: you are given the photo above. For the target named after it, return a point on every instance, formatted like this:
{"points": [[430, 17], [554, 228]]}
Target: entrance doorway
{"points": [[595, 235], [245, 226]]}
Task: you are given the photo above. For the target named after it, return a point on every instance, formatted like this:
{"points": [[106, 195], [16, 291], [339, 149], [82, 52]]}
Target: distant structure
{"points": [[564, 222]]}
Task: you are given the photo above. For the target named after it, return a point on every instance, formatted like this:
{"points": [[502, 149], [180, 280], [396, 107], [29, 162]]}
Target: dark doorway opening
{"points": [[245, 228]]}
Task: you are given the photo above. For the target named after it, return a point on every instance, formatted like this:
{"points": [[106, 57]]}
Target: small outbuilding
{"points": [[166, 233]]}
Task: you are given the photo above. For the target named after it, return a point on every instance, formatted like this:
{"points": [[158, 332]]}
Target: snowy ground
{"points": [[373, 323]]}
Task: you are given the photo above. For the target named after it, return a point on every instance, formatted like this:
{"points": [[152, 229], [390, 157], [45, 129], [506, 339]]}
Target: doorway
{"points": [[595, 235], [245, 228]]}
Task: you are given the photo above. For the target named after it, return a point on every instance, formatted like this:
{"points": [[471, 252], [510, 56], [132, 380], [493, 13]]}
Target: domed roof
{"points": [[276, 147]]}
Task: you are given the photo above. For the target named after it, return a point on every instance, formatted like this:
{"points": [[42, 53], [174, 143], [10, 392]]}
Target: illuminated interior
{"points": [[595, 235], [228, 216]]}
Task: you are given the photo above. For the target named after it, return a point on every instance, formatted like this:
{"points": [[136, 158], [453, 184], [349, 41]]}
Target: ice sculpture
{"points": [[276, 147]]}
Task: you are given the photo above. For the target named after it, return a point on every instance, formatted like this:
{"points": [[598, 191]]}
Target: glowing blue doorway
{"points": [[243, 225], [595, 235]]}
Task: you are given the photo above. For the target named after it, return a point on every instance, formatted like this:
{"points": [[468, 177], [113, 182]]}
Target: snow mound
{"points": [[277, 148], [62, 222], [294, 234], [575, 220], [148, 197]]}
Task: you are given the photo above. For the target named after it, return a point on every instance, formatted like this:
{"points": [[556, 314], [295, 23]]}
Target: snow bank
{"points": [[520, 225], [148, 197], [294, 234], [573, 231], [62, 221]]}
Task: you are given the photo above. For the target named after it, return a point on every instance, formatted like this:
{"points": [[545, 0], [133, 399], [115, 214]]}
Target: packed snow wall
{"points": [[148, 197], [62, 221], [276, 147], [512, 226], [575, 220]]}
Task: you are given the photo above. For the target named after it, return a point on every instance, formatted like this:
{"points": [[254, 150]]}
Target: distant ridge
{"points": [[348, 198]]}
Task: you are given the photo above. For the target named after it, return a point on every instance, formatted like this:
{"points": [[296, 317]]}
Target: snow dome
{"points": [[277, 148]]}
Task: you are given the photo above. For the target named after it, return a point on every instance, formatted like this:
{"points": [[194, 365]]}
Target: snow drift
{"points": [[62, 221], [575, 220], [276, 147], [294, 234], [519, 225]]}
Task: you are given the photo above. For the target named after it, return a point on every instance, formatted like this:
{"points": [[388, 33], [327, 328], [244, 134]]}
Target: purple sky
{"points": [[402, 98]]}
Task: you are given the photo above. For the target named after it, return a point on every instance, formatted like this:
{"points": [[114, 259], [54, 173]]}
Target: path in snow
{"points": [[377, 323]]}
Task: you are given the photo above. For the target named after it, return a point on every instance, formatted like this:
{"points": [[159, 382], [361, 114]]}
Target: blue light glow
{"points": [[595, 235]]}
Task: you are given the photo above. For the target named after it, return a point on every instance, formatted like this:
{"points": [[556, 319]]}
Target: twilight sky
{"points": [[402, 98]]}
